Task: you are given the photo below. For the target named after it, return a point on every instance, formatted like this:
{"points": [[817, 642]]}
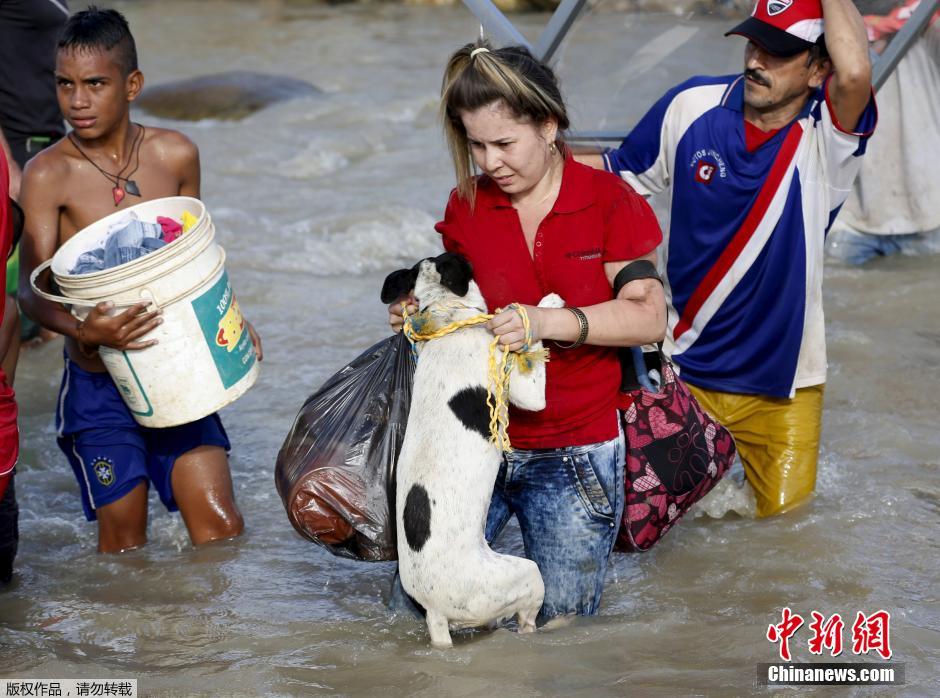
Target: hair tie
{"points": [[475, 51]]}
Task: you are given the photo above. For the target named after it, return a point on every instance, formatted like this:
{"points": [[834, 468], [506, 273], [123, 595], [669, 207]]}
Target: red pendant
{"points": [[118, 194]]}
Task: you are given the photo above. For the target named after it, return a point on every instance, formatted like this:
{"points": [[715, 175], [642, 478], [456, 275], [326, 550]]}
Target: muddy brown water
{"points": [[315, 201]]}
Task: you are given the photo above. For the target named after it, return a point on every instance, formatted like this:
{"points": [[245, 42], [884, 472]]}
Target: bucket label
{"points": [[125, 378], [225, 331]]}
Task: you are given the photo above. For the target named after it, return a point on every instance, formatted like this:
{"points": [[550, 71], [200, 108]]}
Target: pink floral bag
{"points": [[676, 453]]}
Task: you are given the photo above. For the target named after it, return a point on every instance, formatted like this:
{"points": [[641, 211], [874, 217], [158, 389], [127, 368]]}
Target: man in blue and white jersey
{"points": [[758, 165]]}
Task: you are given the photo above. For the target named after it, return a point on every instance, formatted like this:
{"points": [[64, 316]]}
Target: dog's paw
{"points": [[552, 300]]}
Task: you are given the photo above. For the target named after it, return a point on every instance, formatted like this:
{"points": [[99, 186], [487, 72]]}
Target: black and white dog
{"points": [[448, 466]]}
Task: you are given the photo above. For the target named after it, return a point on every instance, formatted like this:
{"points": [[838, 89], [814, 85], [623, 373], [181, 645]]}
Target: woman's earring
{"points": [[552, 148]]}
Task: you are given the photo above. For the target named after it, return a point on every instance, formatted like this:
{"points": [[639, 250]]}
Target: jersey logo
{"points": [[104, 471], [775, 7], [708, 165], [705, 172]]}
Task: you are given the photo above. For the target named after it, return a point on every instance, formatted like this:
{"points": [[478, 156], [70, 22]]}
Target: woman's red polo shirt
{"points": [[597, 218]]}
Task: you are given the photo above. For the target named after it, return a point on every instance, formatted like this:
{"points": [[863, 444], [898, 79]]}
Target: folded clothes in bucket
{"points": [[89, 262], [171, 229], [130, 238], [189, 220]]}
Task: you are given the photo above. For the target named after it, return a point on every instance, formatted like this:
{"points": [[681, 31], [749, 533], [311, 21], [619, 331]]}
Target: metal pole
{"points": [[902, 41], [495, 22], [558, 26], [615, 136]]}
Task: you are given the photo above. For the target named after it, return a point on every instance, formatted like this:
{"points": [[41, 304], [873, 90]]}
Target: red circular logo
{"points": [[705, 172]]}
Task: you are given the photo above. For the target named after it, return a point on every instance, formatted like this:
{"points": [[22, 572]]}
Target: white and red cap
{"points": [[783, 27]]}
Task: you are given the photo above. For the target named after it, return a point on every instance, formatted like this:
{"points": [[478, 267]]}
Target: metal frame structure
{"points": [[558, 27], [505, 32], [496, 24], [903, 41]]}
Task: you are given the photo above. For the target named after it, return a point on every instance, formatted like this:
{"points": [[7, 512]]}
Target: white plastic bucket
{"points": [[204, 359]]}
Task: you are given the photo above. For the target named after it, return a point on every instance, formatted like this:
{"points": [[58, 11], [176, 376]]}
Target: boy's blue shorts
{"points": [[109, 452]]}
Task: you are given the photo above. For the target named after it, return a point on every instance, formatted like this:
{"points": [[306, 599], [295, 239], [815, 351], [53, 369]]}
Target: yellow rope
{"points": [[421, 328]]}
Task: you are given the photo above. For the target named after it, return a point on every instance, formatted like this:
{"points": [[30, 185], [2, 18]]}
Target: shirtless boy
{"points": [[67, 187]]}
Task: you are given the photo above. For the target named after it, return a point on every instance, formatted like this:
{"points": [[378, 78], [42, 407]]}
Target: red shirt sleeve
{"points": [[450, 228], [631, 228]]}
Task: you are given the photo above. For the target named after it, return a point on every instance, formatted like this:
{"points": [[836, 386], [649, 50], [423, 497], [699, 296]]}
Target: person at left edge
{"points": [[30, 120], [66, 188], [29, 111], [9, 437]]}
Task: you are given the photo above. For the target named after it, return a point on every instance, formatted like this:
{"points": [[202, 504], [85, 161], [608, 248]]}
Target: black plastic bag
{"points": [[336, 470]]}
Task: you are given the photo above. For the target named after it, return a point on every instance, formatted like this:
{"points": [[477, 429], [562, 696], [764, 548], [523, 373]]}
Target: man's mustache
{"points": [[757, 77]]}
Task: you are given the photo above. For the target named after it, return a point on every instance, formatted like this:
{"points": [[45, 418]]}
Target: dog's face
{"points": [[435, 280]]}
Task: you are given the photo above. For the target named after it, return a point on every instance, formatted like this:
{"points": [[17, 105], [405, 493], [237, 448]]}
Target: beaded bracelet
{"points": [[582, 335]]}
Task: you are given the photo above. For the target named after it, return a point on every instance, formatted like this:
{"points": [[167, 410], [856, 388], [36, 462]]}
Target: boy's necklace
{"points": [[119, 191]]}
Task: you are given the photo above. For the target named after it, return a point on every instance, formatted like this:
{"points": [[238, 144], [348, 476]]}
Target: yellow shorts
{"points": [[777, 439]]}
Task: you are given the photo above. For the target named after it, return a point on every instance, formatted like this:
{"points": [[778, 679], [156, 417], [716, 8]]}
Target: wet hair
{"points": [[101, 30], [476, 78]]}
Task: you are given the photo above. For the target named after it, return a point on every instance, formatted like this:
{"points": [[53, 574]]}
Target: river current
{"points": [[315, 200]]}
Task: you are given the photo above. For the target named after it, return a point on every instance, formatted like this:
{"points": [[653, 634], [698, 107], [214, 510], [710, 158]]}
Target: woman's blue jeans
{"points": [[568, 502]]}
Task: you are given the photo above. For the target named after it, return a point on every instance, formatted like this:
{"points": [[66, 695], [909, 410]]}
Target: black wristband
{"points": [[640, 269]]}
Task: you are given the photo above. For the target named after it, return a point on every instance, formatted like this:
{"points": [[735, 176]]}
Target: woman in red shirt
{"points": [[535, 222]]}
